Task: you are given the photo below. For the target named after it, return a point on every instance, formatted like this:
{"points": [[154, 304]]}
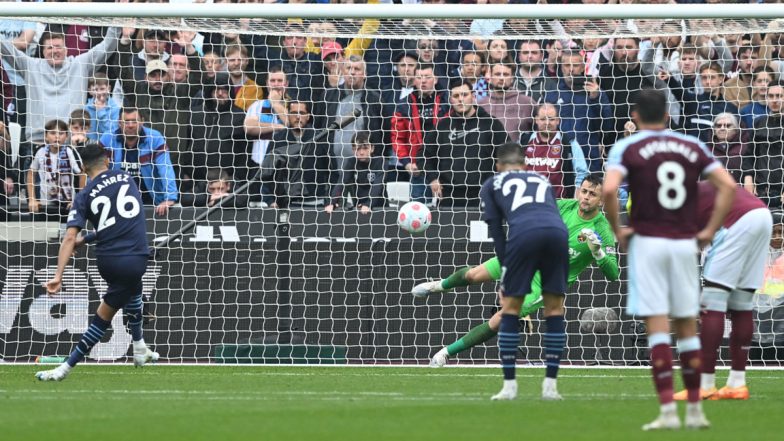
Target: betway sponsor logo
{"points": [[542, 162]]}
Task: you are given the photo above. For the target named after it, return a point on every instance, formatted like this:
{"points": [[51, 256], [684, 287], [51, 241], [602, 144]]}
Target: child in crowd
{"points": [[104, 112], [362, 177], [57, 168]]}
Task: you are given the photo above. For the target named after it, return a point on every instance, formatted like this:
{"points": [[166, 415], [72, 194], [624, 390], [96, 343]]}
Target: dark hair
{"points": [[130, 109], [56, 124], [712, 65], [425, 66], [650, 105], [506, 62], [566, 52], [99, 78], [594, 179], [761, 69], [218, 174], [481, 56], [510, 153], [361, 137], [91, 154], [530, 41], [459, 82], [81, 117], [544, 104], [46, 36]]}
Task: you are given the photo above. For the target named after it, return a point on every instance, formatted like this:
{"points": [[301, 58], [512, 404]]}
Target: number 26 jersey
{"points": [[113, 205], [662, 168]]}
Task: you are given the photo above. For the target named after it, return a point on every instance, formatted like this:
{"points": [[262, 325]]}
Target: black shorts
{"points": [[545, 250], [123, 275]]}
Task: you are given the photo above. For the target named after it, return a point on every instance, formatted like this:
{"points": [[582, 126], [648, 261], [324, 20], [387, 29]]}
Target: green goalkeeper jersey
{"points": [[580, 256]]}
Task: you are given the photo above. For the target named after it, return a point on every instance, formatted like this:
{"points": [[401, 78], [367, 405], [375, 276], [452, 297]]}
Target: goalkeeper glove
{"points": [[594, 243]]}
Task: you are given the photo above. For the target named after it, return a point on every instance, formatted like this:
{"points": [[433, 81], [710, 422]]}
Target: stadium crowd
{"points": [[196, 115]]}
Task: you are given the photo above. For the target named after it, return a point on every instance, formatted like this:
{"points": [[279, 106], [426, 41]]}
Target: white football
{"points": [[414, 217]]}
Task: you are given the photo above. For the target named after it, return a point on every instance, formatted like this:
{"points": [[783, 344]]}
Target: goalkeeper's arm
{"points": [[603, 253]]}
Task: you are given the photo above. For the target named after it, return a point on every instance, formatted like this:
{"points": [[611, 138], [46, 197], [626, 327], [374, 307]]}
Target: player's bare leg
{"points": [[463, 277], [554, 342], [659, 342], [508, 341], [101, 321]]}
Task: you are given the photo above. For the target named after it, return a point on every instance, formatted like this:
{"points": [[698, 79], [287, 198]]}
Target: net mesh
{"points": [[307, 263]]}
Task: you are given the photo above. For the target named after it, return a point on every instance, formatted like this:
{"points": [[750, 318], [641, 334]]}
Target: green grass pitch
{"points": [[346, 403]]}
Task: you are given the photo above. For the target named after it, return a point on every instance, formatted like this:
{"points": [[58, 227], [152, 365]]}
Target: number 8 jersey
{"points": [[113, 205], [662, 168]]}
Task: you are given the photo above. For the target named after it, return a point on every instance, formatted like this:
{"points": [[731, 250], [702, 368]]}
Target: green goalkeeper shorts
{"points": [[533, 301]]}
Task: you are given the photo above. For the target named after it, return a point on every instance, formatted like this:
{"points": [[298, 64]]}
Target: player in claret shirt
{"points": [[113, 205], [662, 168]]}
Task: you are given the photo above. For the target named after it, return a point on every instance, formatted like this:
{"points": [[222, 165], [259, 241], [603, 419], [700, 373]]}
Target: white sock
{"points": [[139, 346], [669, 408], [736, 379], [693, 407], [550, 383], [510, 384], [65, 367], [708, 381]]}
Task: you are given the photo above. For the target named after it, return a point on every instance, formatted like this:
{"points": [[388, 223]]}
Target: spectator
{"points": [[531, 78], [497, 51], [305, 71], [178, 68], [22, 35], [155, 45], [555, 155], [218, 133], [52, 176], [429, 51], [8, 172], [298, 166], [244, 91], [219, 185], [763, 169], [683, 82], [505, 103], [212, 62], [584, 110], [620, 76], [458, 155], [727, 145], [554, 49], [362, 177], [332, 57], [79, 128], [761, 78], [268, 116], [473, 70], [402, 84], [142, 153], [737, 89], [103, 111], [414, 118], [55, 75], [165, 106], [701, 112], [344, 101]]}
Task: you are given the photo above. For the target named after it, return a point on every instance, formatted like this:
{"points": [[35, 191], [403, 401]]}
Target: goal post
{"points": [[306, 264]]}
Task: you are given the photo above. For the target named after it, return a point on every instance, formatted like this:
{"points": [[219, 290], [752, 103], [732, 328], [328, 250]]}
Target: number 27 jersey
{"points": [[524, 199], [113, 205], [662, 168]]}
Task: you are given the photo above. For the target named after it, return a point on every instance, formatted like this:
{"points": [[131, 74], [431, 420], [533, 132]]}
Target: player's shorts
{"points": [[123, 275], [533, 301], [547, 251], [738, 255], [664, 277]]}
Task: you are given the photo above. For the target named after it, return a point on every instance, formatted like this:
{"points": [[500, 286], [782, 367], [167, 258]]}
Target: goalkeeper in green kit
{"points": [[590, 239]]}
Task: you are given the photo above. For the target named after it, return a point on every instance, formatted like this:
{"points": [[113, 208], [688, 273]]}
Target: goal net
{"points": [[274, 153]]}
